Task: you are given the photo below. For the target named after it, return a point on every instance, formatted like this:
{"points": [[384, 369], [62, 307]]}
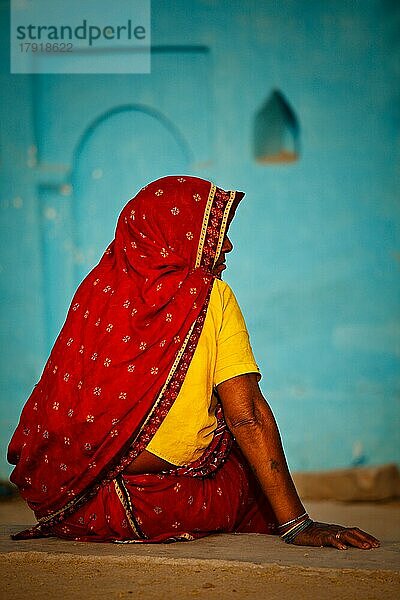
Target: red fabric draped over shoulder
{"points": [[123, 352]]}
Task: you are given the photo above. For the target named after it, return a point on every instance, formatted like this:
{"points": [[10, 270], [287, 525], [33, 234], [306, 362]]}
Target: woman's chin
{"points": [[218, 271]]}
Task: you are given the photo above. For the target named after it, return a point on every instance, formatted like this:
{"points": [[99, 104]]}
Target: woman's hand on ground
{"points": [[323, 534]]}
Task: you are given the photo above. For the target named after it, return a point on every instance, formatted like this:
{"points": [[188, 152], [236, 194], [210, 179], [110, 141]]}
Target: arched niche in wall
{"points": [[276, 131], [117, 153], [120, 151]]}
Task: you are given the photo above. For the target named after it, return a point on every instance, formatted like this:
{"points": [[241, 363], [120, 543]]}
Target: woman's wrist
{"points": [[292, 533], [289, 524]]}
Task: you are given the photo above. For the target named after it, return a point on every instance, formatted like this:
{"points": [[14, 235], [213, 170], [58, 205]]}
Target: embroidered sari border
{"points": [[167, 382], [224, 223], [125, 500], [204, 226]]}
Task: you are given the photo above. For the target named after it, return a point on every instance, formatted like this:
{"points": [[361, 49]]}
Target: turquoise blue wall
{"points": [[316, 259]]}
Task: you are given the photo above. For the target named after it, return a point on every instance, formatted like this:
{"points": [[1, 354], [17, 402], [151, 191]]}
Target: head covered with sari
{"points": [[123, 352]]}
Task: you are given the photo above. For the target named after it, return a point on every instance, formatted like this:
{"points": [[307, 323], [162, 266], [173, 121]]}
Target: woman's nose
{"points": [[227, 246]]}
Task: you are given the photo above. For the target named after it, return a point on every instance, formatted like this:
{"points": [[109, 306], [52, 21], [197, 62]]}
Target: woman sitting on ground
{"points": [[148, 424]]}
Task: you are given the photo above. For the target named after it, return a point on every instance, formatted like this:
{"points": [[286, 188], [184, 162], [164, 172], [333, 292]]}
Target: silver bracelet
{"points": [[289, 536], [292, 521]]}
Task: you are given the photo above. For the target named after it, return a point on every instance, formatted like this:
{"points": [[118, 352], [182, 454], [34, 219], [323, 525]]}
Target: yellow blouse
{"points": [[223, 351]]}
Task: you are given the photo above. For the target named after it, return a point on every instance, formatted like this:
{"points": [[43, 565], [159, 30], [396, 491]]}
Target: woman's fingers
{"points": [[359, 539], [367, 536], [336, 542], [323, 534]]}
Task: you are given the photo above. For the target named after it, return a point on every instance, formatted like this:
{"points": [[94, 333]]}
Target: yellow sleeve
{"points": [[234, 352], [223, 352]]}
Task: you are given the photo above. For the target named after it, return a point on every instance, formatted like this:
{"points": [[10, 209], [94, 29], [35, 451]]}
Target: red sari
{"points": [[114, 372]]}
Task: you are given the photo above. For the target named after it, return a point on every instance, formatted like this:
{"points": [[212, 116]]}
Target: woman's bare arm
{"points": [[253, 425]]}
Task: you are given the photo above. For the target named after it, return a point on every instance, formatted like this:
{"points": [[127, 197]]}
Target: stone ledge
{"points": [[250, 549], [358, 484]]}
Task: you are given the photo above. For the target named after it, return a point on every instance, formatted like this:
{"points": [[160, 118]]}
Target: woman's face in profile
{"points": [[220, 266]]}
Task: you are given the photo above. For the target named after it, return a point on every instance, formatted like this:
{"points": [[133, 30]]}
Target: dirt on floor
{"points": [[37, 576]]}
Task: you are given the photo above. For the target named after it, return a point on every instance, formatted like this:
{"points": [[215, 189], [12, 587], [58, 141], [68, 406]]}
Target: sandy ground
{"points": [[220, 566]]}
